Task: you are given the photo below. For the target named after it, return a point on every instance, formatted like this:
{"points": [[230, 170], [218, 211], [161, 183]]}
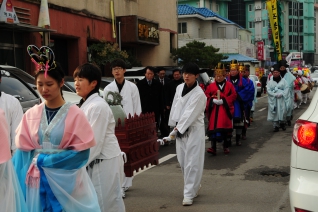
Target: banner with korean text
{"points": [[273, 19], [260, 50]]}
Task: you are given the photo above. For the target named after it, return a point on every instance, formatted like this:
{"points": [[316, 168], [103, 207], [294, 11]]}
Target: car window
{"points": [[204, 77], [13, 86]]}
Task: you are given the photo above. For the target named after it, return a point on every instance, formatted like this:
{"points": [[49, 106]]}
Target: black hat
{"points": [[283, 63], [191, 68], [276, 67]]}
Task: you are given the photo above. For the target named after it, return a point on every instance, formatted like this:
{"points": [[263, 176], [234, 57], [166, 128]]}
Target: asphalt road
{"points": [[253, 177]]}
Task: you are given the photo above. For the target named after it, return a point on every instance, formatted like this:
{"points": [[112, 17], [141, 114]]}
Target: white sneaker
{"points": [[187, 202], [125, 188], [197, 194], [123, 194]]}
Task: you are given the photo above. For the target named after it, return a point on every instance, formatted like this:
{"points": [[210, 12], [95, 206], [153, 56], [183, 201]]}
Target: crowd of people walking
{"points": [[67, 157]]}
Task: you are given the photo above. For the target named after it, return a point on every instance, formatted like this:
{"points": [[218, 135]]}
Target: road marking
{"points": [[262, 109], [161, 160]]}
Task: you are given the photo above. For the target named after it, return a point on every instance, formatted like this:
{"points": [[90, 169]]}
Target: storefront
{"points": [[69, 35]]}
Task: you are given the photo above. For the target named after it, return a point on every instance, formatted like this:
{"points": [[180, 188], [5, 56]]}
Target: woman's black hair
{"points": [[56, 73], [90, 72]]}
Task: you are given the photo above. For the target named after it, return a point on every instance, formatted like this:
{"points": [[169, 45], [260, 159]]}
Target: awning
{"points": [[239, 58], [24, 27]]}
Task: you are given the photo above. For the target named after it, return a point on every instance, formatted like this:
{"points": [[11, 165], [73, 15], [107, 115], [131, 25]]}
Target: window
{"points": [[217, 8], [221, 32], [250, 7], [264, 23], [251, 24], [182, 27], [264, 5]]}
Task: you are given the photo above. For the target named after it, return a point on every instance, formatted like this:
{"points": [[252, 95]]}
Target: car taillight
{"points": [[259, 84], [305, 135], [301, 210]]}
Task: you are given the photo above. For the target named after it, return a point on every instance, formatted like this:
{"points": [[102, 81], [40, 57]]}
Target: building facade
{"points": [[298, 24], [76, 24]]}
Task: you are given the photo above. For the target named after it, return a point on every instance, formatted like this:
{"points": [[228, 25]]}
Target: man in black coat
{"points": [[170, 88], [151, 94]]}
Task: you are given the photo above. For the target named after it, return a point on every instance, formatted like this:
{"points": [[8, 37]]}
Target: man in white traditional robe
{"points": [[131, 99], [289, 77], [187, 119], [278, 99], [13, 113], [105, 163]]}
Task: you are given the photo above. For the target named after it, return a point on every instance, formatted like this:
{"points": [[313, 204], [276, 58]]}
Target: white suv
{"points": [[303, 185]]}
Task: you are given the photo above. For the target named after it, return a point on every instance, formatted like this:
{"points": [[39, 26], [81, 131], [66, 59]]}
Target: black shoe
{"points": [[283, 126], [289, 123], [276, 129]]}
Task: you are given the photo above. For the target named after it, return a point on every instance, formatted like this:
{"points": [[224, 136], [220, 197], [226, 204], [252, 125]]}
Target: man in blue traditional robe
{"points": [[245, 95]]}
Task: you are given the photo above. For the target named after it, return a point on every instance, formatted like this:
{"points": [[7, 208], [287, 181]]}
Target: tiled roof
{"points": [[184, 9], [239, 58]]}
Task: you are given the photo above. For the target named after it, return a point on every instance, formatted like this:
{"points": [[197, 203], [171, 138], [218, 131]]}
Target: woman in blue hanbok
{"points": [[53, 142]]}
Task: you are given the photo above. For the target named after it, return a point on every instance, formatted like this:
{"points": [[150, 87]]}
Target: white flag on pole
{"points": [[44, 17]]}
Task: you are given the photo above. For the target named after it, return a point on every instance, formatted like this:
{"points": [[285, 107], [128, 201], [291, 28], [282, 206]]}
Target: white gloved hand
{"points": [[124, 156], [173, 132], [161, 141], [218, 101], [166, 139], [279, 95]]}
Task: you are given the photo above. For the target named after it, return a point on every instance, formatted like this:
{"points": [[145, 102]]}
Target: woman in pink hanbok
{"points": [[11, 197], [53, 144]]}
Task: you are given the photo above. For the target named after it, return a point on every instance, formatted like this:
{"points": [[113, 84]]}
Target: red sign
{"points": [[260, 50]]}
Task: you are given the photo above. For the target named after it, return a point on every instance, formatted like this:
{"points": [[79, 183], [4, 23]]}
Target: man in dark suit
{"points": [[151, 94], [162, 76]]}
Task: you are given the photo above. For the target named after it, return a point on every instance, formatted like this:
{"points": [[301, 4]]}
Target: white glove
{"points": [[35, 160], [161, 141], [218, 101], [123, 154], [166, 139], [173, 133]]}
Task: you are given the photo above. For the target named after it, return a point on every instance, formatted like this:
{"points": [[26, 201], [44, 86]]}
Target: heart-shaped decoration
{"points": [[42, 56]]}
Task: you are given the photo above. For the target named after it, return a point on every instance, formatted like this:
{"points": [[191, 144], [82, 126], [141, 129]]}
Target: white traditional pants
{"points": [[107, 177], [190, 154]]}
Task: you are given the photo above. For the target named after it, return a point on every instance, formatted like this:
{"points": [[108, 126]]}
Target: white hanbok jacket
{"points": [[102, 121], [13, 112], [187, 110], [131, 99]]}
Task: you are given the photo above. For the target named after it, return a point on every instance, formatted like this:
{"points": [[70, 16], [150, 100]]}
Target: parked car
{"points": [[314, 77], [68, 94], [12, 84], [104, 82], [303, 183], [258, 84]]}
